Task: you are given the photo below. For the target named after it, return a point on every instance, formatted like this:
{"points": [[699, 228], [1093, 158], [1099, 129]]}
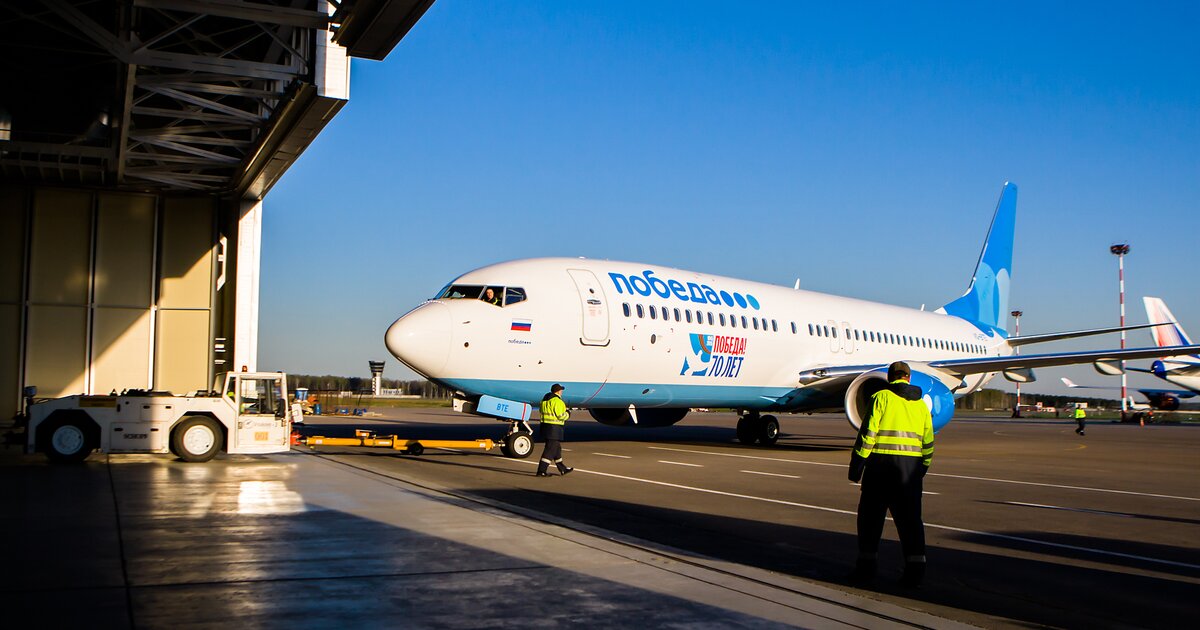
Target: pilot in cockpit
{"points": [[490, 296]]}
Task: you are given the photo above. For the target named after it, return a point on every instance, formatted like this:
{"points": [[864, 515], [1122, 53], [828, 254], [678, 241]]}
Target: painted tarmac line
{"points": [[663, 461], [759, 472], [949, 528], [611, 455], [934, 474], [758, 457], [961, 530]]}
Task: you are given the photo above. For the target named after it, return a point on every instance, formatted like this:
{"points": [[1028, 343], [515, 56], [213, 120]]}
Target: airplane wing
{"points": [[1145, 391], [963, 367], [980, 365], [1028, 339]]}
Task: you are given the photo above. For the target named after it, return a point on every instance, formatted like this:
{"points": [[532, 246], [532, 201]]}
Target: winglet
{"points": [[986, 299]]}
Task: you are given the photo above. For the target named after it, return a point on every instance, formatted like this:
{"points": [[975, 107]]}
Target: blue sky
{"points": [[859, 147]]}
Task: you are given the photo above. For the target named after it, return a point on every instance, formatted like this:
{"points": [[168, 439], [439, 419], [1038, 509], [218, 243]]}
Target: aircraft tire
{"points": [[746, 430], [768, 430], [518, 445]]}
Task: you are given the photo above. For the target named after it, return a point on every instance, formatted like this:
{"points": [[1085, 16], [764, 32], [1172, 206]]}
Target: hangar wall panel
{"points": [[124, 250], [13, 211], [56, 350], [61, 254], [187, 244], [120, 349], [10, 358], [12, 255], [181, 364]]}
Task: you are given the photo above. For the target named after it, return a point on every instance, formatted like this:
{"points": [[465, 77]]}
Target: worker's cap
{"points": [[555, 388], [899, 369]]}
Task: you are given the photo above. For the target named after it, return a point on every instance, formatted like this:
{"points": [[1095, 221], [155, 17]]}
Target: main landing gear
{"points": [[752, 428]]}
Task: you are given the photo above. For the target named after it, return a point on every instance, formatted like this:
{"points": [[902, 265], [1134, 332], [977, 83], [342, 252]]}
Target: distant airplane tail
{"points": [[986, 301], [1170, 335]]}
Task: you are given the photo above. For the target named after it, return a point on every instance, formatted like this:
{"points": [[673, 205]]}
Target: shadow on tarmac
{"points": [[993, 584]]}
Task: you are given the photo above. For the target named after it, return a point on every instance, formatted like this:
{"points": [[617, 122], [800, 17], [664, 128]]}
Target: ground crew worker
{"points": [[554, 422], [1080, 417], [892, 454]]}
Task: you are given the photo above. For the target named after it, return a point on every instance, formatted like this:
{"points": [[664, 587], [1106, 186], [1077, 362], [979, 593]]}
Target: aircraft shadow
{"points": [[1000, 584]]}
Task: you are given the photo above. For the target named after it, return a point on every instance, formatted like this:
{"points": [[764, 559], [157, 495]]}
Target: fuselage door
{"points": [[594, 307]]}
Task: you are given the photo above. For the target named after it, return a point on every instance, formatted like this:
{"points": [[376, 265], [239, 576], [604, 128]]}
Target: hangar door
{"points": [[105, 291]]}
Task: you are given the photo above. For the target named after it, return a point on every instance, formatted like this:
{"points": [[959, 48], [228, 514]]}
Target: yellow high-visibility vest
{"points": [[897, 427], [554, 411]]}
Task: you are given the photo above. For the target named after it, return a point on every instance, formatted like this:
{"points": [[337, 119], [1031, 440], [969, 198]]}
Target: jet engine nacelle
{"points": [[647, 418], [1164, 401], [935, 393]]}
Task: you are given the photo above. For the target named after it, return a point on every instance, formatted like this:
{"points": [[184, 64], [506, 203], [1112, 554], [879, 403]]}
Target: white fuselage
{"points": [[599, 328]]}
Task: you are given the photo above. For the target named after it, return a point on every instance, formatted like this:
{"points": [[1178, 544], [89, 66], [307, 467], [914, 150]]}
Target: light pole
{"points": [[1119, 250], [1017, 316]]}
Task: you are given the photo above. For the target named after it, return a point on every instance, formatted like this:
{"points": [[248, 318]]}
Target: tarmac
{"points": [[297, 540]]}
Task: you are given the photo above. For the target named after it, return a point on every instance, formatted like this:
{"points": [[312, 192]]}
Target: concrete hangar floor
{"points": [[1028, 524]]}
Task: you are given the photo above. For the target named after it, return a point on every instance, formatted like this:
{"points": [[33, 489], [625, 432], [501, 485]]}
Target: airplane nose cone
{"points": [[421, 339]]}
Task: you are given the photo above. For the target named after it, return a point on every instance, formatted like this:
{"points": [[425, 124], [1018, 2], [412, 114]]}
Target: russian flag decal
{"points": [[524, 325]]}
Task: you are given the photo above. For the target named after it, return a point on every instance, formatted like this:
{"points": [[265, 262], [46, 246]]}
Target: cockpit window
{"points": [[512, 295], [462, 291], [492, 294]]}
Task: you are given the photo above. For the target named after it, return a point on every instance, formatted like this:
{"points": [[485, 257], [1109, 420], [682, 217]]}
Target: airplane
{"points": [[1183, 371], [640, 344], [1160, 399]]}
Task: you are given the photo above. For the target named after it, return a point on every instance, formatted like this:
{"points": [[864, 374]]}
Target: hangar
{"points": [[138, 141]]}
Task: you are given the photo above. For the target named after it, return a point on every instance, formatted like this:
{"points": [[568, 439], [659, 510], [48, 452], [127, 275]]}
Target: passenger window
{"points": [[775, 326], [722, 316], [689, 316], [810, 330], [677, 317], [710, 318], [835, 333], [625, 307], [640, 311], [512, 295], [653, 312], [755, 319], [744, 322]]}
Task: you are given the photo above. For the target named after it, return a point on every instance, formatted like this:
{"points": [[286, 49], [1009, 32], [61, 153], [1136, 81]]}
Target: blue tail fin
{"points": [[986, 301]]}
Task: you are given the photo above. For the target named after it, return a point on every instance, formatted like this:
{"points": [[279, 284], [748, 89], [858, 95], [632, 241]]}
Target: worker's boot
{"points": [[563, 469], [543, 465], [914, 572], [864, 572]]}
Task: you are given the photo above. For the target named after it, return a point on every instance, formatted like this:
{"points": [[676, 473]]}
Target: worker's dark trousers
{"points": [[552, 452], [1080, 422], [891, 482]]}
